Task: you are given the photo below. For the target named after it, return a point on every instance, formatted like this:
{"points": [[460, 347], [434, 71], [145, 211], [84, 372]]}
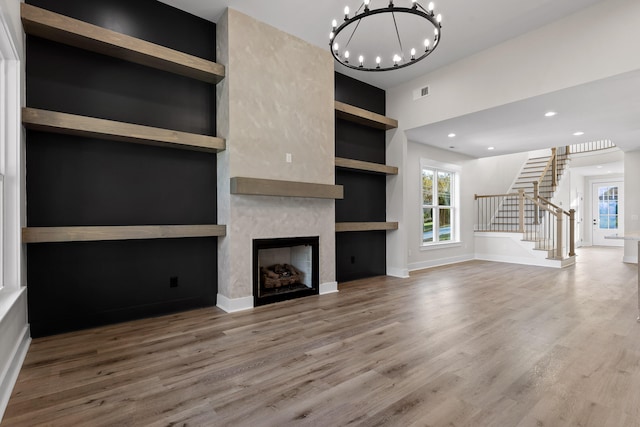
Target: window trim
{"points": [[11, 152], [455, 204]]}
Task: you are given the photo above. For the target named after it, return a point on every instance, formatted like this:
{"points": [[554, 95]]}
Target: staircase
{"points": [[523, 226], [536, 169]]}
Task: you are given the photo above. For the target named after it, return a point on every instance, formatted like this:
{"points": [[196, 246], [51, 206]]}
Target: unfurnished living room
{"points": [[251, 213]]}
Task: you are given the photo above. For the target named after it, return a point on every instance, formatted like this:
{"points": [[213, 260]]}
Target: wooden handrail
{"points": [[554, 167], [542, 205], [546, 168], [555, 206], [484, 196]]}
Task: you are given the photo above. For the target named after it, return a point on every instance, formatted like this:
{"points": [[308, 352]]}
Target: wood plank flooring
{"points": [[472, 344]]}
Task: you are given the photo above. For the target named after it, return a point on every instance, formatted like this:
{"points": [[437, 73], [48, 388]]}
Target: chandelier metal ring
{"points": [[343, 57]]}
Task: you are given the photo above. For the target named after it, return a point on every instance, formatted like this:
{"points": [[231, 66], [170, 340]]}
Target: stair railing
{"points": [[544, 225]]}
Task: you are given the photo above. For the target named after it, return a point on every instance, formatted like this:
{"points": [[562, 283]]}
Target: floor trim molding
{"points": [[328, 288], [231, 305], [10, 376]]}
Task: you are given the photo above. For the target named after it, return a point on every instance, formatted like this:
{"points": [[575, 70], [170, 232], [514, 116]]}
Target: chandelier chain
{"points": [[397, 33], [352, 34]]}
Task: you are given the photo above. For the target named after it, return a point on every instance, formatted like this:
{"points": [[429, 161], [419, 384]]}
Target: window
{"points": [[439, 203]]}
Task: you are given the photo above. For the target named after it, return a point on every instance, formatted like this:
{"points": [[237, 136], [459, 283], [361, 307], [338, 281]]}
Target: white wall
{"points": [[580, 184], [419, 257], [490, 175], [596, 43], [632, 203], [555, 57], [14, 329]]}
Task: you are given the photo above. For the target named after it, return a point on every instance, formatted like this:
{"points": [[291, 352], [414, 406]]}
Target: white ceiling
{"points": [[607, 109], [468, 26]]}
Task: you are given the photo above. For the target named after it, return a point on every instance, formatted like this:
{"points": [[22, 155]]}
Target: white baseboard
{"points": [[328, 288], [439, 262], [630, 259], [402, 273], [9, 377], [231, 305], [537, 262]]}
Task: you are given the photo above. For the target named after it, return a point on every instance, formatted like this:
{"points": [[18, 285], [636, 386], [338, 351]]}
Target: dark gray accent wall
{"points": [[74, 181], [360, 254]]}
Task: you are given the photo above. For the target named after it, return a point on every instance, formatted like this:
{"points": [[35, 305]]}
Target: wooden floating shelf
{"points": [[270, 187], [365, 166], [342, 227], [63, 29], [70, 124], [134, 232], [364, 117]]}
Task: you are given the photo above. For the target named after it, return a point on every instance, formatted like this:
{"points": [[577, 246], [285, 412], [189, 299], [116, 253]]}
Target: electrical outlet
{"points": [[173, 281]]}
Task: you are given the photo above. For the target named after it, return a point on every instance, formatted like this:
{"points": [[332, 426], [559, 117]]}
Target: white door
{"points": [[607, 213]]}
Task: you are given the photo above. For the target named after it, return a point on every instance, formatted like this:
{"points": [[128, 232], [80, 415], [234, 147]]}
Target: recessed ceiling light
{"points": [[491, 148], [578, 133], [452, 135], [550, 114]]}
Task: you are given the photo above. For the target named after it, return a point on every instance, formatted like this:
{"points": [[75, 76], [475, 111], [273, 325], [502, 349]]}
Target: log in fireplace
{"points": [[285, 268]]}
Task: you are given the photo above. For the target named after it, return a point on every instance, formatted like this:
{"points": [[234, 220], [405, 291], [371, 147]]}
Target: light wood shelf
{"points": [[365, 166], [63, 29], [134, 232], [70, 124], [364, 117], [342, 227], [270, 187]]}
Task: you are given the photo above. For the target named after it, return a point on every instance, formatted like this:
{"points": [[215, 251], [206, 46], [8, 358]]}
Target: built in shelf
{"points": [[70, 124], [365, 166], [63, 29], [342, 227], [270, 187], [133, 232], [364, 117]]}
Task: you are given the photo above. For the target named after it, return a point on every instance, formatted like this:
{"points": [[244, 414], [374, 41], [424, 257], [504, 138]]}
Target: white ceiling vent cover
{"points": [[421, 93]]}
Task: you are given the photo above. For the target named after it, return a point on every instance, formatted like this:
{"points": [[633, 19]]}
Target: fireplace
{"points": [[285, 268]]}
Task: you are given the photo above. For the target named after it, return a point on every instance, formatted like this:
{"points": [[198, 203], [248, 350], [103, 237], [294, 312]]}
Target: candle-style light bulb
{"points": [[335, 48], [378, 60], [414, 4], [346, 13], [334, 24], [366, 5], [361, 60], [439, 18], [426, 45], [396, 59], [430, 7], [331, 35], [346, 56], [413, 54]]}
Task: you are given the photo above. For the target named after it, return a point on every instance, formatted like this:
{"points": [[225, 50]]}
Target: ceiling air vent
{"points": [[421, 93]]}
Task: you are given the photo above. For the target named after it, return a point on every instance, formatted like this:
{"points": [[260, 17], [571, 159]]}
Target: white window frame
{"points": [[455, 205], [10, 160]]}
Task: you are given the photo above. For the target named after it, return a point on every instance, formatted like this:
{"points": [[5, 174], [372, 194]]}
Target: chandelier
{"points": [[379, 45]]}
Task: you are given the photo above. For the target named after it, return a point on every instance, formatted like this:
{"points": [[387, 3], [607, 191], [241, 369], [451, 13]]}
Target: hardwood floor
{"points": [[472, 344]]}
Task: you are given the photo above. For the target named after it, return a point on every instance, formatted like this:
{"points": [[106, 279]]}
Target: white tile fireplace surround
{"points": [[275, 109], [266, 217]]}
